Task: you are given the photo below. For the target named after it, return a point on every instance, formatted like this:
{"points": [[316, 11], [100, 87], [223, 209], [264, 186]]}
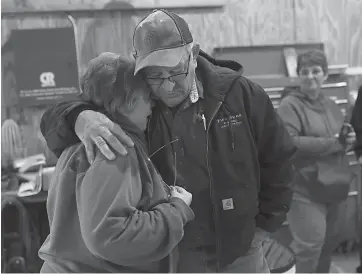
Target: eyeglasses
{"points": [[158, 81]]}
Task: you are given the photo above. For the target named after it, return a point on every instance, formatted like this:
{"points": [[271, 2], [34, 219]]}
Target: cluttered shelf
{"points": [[40, 197], [27, 179]]}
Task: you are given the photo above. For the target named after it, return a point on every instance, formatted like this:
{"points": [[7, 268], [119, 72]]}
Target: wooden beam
{"points": [[92, 12]]}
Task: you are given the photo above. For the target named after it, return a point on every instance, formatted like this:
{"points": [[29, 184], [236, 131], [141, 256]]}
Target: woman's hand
{"points": [[94, 128], [350, 140], [183, 194], [347, 137]]}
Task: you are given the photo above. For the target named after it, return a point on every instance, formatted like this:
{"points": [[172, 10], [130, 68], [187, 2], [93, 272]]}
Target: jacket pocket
{"points": [[237, 205]]}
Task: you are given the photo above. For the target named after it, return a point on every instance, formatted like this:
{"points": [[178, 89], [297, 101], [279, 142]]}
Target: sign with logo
{"points": [[47, 79], [44, 66]]}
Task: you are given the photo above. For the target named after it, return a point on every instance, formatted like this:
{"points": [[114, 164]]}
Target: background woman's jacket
{"points": [[320, 158], [111, 216]]}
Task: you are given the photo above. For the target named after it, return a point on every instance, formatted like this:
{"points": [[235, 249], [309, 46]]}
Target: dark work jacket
{"points": [[245, 146], [356, 122]]}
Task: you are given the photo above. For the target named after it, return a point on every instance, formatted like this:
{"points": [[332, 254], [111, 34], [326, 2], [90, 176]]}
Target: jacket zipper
{"points": [[215, 215], [326, 120], [148, 134]]}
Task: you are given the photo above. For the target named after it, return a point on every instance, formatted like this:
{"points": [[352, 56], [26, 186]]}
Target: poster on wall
{"points": [[40, 67]]}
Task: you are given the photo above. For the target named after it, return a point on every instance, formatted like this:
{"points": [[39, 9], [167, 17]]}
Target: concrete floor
{"points": [[345, 263], [342, 263]]}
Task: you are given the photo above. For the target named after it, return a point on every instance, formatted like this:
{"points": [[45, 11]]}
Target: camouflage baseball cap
{"points": [[160, 39]]}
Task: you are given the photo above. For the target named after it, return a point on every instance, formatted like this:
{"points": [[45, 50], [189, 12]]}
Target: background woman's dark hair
{"points": [[312, 57], [109, 83]]}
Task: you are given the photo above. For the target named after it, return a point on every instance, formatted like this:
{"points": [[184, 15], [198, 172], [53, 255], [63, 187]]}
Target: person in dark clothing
{"points": [[356, 122], [212, 131]]}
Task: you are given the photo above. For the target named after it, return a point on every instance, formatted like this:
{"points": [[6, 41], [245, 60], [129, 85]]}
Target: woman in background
{"points": [[322, 172], [113, 216]]}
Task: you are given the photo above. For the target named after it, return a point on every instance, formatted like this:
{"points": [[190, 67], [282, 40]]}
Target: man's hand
{"points": [[94, 128]]}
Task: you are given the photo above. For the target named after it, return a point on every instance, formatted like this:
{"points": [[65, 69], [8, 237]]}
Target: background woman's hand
{"points": [[347, 137], [183, 194], [350, 141], [351, 138], [94, 128]]}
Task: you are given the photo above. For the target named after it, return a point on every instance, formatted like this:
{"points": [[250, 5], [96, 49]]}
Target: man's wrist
{"points": [[72, 116]]}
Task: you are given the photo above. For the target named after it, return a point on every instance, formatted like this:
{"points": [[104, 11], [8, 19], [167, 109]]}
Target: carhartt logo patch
{"points": [[227, 204]]}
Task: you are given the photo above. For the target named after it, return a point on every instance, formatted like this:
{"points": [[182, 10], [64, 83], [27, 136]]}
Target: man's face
{"points": [[172, 84]]}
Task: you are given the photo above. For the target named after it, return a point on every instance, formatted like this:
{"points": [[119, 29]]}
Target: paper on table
{"points": [[31, 187], [29, 163]]}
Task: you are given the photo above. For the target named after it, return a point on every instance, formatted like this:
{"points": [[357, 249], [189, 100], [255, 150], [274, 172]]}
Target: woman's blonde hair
{"points": [[109, 83]]}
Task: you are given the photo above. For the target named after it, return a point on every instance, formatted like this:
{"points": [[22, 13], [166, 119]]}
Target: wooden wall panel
{"points": [[244, 23], [105, 34], [337, 23]]}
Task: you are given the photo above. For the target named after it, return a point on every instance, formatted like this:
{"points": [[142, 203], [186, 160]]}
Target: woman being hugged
{"points": [[113, 216]]}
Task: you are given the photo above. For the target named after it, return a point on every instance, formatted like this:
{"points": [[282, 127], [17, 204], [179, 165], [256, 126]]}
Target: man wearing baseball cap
{"points": [[212, 131]]}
